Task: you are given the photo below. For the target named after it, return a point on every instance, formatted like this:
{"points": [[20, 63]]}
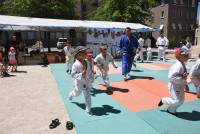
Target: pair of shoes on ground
{"points": [[56, 122]]}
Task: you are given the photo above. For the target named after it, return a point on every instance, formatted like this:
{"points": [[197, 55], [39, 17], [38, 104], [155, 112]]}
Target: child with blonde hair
{"points": [[102, 61]]}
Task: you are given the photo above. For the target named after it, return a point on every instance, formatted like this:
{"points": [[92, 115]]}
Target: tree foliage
{"points": [[124, 10], [62, 9]]}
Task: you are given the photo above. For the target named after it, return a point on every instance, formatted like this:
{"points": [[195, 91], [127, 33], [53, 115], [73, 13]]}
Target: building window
{"points": [[193, 3], [162, 15], [174, 1], [181, 2], [180, 26], [180, 13], [189, 3], [192, 15], [174, 13], [192, 26], [187, 15], [173, 26]]}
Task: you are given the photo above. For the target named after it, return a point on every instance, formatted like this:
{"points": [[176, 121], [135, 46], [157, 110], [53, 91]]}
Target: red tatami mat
{"points": [[143, 94]]}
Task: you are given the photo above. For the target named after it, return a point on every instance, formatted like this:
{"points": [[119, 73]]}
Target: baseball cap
{"points": [[181, 51]]}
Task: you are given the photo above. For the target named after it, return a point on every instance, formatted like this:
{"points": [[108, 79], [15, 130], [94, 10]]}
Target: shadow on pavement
{"points": [[99, 111]]}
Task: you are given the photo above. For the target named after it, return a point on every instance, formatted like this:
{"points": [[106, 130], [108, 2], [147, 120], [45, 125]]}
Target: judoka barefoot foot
{"points": [[67, 71], [175, 114], [160, 103], [70, 98]]}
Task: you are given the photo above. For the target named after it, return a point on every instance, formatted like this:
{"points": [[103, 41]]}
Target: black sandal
{"points": [[54, 123], [69, 125]]}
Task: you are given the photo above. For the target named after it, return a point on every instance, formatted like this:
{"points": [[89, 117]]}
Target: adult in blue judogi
{"points": [[128, 46]]}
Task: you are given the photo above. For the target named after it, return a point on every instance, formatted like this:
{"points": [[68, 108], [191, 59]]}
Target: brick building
{"points": [[178, 18]]}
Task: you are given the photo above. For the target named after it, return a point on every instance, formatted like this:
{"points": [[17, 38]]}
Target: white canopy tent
{"points": [[27, 23]]}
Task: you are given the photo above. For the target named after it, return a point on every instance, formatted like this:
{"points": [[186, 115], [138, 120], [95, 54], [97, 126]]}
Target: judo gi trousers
{"points": [[175, 100], [149, 56], [161, 53], [86, 92], [196, 82], [140, 54], [70, 62], [127, 62]]}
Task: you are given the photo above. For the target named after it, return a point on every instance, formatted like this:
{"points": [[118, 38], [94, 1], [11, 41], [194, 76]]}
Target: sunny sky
{"points": [[198, 13]]}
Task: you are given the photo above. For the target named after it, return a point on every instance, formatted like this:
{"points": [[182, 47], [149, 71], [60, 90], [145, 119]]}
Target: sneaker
{"points": [[175, 114], [160, 103], [125, 78]]}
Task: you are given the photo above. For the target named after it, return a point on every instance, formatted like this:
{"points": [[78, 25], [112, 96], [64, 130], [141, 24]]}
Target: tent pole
{"points": [[45, 61]]}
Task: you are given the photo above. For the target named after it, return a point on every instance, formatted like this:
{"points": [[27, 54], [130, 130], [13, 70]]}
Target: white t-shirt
{"points": [[11, 55], [141, 41]]}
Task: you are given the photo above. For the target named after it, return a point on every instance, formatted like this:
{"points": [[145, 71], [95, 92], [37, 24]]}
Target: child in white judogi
{"points": [[80, 73], [177, 82], [195, 76], [89, 58], [149, 53], [140, 53], [69, 57], [102, 61]]}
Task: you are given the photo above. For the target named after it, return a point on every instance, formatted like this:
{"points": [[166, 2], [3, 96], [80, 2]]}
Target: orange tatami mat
{"points": [[155, 66], [142, 94]]}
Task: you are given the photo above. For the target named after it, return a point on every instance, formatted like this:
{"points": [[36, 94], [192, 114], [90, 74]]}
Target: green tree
{"points": [[124, 10], [62, 9]]}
